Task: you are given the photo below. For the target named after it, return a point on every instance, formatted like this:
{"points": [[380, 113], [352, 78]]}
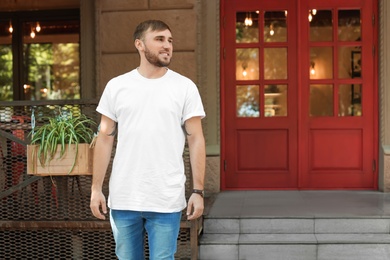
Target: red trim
{"points": [[222, 95], [375, 37]]}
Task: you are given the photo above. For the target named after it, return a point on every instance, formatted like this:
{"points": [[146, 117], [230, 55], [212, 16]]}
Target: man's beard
{"points": [[154, 60]]}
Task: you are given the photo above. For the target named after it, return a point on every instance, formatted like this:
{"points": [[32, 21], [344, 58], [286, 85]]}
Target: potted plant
{"points": [[62, 146]]}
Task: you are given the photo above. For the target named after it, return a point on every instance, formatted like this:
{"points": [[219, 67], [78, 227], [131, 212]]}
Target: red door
{"points": [[338, 137], [298, 94], [259, 84]]}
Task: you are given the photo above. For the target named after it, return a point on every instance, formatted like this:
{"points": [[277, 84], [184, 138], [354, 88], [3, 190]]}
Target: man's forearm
{"points": [[198, 160], [101, 160]]}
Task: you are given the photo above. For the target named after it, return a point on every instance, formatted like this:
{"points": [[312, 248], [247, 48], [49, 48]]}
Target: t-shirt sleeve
{"points": [[193, 105], [106, 104]]}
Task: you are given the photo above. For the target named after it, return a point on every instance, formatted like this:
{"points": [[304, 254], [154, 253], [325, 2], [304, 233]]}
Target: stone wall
{"points": [[117, 21], [385, 178]]}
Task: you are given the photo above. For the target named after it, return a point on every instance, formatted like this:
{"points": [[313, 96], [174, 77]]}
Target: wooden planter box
{"points": [[58, 167]]}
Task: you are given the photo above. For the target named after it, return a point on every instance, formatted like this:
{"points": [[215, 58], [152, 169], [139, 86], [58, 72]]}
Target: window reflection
{"points": [[350, 62], [321, 25], [247, 101], [51, 60], [247, 27], [321, 63], [321, 100], [275, 100], [350, 100], [247, 63], [6, 89], [275, 26], [275, 63], [349, 25]]}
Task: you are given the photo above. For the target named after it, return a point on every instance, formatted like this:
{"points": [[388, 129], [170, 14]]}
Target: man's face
{"points": [[158, 47]]}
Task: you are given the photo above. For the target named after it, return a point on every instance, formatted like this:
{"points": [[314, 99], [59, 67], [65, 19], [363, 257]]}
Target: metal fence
{"points": [[49, 217]]}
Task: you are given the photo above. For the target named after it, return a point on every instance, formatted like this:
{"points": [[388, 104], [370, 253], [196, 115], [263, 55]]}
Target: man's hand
{"points": [[98, 200], [195, 206]]}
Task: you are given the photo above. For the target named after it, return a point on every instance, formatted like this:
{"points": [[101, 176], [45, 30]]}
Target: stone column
{"points": [[384, 96]]}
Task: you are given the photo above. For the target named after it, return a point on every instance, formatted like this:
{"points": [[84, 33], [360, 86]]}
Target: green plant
{"points": [[59, 132]]}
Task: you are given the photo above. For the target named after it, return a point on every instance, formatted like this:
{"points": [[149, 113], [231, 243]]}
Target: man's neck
{"points": [[152, 72]]}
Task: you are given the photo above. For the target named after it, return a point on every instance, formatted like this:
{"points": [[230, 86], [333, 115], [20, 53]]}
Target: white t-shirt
{"points": [[148, 169]]}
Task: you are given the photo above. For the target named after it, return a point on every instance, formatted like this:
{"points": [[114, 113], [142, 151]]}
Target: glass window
{"points": [[275, 26], [49, 68], [247, 27], [51, 60], [247, 101], [350, 100], [321, 63], [275, 100], [275, 63], [321, 100], [321, 25], [6, 84], [350, 62], [247, 64], [349, 25]]}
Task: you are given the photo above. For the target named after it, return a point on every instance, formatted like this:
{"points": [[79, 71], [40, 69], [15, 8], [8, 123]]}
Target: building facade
{"points": [[292, 102]]}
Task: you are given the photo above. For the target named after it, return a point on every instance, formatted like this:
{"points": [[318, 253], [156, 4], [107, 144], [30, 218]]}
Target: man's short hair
{"points": [[153, 25]]}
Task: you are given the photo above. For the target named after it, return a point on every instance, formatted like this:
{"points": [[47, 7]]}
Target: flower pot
{"points": [[61, 166]]}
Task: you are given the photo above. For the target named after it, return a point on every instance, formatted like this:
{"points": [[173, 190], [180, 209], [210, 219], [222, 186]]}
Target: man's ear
{"points": [[138, 44]]}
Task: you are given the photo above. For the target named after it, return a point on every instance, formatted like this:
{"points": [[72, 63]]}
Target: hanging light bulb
{"points": [[246, 22], [32, 34], [38, 27], [310, 17], [244, 67], [10, 29], [314, 11], [285, 13], [312, 69], [271, 30]]}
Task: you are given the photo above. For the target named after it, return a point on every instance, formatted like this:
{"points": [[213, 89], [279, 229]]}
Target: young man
{"points": [[155, 109]]}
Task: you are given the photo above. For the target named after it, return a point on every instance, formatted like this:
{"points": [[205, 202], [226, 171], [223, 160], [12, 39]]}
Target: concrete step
{"points": [[296, 238], [296, 225]]}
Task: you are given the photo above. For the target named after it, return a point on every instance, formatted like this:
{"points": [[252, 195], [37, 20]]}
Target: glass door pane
{"points": [[321, 100], [321, 25], [350, 62], [275, 26], [275, 63], [275, 100], [247, 63], [51, 60], [321, 63], [247, 27], [247, 100], [349, 25], [350, 100]]}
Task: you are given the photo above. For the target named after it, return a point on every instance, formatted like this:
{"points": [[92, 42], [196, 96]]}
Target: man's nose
{"points": [[167, 44]]}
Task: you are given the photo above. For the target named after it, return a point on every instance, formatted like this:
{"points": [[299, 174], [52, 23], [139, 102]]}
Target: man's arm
{"points": [[101, 160], [196, 144]]}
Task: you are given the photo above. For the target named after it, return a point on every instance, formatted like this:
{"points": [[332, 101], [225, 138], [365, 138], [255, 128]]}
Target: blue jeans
{"points": [[129, 229]]}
